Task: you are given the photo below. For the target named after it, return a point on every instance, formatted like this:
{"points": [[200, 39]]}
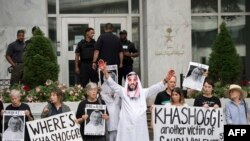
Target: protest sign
{"points": [[113, 72], [94, 125], [195, 76], [187, 123], [61, 127], [13, 125]]}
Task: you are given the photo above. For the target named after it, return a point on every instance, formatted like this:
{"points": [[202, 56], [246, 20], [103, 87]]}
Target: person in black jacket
{"points": [[85, 52], [129, 52], [108, 47]]}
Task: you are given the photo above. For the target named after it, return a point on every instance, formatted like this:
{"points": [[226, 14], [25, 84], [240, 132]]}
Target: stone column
{"points": [[167, 39]]}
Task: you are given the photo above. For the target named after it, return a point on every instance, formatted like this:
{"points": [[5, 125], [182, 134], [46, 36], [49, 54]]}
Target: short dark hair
{"points": [[209, 81], [34, 28], [87, 30], [123, 32], [108, 26], [20, 31]]}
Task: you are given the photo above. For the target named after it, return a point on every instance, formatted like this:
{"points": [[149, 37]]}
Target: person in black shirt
{"points": [[81, 115], [207, 99], [85, 52], [16, 104], [129, 51], [163, 97], [27, 42], [14, 55], [108, 48]]}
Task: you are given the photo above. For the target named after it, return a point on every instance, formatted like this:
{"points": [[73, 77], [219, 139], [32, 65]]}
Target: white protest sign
{"points": [[61, 127], [113, 72], [13, 125], [187, 123], [94, 125], [195, 76]]}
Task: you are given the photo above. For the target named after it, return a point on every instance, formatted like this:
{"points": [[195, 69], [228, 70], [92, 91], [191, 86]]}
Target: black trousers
{"points": [[87, 74], [123, 72], [17, 74]]}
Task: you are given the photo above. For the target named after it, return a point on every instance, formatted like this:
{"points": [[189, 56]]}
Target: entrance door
{"points": [[72, 33]]}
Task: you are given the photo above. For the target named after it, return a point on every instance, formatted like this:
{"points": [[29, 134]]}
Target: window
{"points": [[93, 6], [51, 6], [206, 19]]}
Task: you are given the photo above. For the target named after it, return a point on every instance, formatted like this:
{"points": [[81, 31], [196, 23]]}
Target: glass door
{"points": [[72, 32]]}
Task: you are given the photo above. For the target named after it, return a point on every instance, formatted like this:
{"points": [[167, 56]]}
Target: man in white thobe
{"points": [[132, 125]]}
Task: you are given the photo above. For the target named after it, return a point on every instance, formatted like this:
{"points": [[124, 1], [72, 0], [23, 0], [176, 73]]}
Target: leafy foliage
{"points": [[224, 61], [40, 62]]}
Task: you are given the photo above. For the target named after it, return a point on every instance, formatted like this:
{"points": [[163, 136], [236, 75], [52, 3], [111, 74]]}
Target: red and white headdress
{"points": [[136, 92]]}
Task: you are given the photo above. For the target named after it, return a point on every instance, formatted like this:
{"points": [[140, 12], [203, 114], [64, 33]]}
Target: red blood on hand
{"points": [[101, 64], [170, 74]]}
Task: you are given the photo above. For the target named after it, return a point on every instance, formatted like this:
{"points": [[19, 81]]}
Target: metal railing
{"points": [[4, 83]]}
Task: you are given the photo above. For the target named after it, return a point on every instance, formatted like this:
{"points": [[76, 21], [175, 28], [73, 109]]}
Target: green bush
{"points": [[224, 61], [40, 62]]}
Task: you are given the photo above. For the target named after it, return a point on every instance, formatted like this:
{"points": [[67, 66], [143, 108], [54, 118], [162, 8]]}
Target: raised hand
{"points": [[101, 64], [170, 74]]}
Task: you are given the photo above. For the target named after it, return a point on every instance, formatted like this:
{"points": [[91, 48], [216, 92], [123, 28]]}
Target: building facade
{"points": [[168, 33]]}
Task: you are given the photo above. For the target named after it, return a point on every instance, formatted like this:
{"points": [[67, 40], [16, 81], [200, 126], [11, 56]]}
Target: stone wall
{"points": [[167, 39], [15, 15]]}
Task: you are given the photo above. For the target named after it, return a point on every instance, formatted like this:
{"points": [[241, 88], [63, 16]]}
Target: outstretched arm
{"points": [[159, 86], [112, 84], [155, 89]]}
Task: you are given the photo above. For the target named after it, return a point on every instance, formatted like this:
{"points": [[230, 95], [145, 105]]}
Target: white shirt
{"points": [[8, 134]]}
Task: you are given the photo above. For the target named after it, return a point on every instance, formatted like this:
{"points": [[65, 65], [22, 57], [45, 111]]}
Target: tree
{"points": [[224, 61], [40, 62]]}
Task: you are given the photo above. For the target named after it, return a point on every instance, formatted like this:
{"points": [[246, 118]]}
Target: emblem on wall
{"points": [[170, 45], [168, 36]]}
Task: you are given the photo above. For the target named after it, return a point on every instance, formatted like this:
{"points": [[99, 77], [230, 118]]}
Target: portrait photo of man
{"points": [[95, 125], [195, 76], [15, 129], [113, 72]]}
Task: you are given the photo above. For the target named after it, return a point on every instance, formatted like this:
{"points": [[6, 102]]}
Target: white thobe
{"points": [[113, 104], [133, 121]]}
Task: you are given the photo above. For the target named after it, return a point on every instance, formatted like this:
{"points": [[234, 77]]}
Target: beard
{"points": [[132, 87]]}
